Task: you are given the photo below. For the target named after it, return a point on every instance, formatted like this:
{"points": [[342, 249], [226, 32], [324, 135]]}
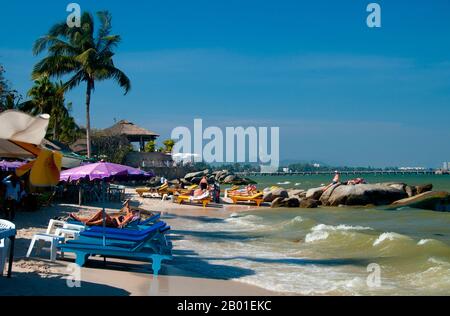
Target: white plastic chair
{"points": [[7, 238], [56, 232]]}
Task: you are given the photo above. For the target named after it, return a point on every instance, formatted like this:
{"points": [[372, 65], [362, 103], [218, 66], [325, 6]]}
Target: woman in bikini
{"points": [[249, 190], [115, 221]]}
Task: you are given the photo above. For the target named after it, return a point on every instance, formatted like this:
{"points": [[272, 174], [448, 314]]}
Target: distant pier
{"points": [[344, 172]]}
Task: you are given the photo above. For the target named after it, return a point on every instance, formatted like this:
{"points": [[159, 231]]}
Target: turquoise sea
{"points": [[342, 251]]}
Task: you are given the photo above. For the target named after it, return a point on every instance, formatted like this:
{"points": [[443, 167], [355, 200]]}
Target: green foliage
{"points": [[150, 147], [8, 98], [110, 148], [82, 53], [48, 97], [168, 145]]}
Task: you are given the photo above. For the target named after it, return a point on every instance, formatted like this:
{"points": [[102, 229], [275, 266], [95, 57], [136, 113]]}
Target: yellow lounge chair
{"points": [[161, 190], [188, 198], [257, 198], [185, 191]]}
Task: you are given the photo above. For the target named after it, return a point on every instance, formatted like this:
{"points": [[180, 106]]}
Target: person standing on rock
{"points": [[337, 177]]}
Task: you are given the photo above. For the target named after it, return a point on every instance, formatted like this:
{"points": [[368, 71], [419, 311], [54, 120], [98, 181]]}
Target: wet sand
{"points": [[39, 276]]}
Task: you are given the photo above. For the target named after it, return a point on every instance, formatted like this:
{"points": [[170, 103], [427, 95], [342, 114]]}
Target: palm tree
{"points": [[86, 57], [48, 97], [44, 97]]}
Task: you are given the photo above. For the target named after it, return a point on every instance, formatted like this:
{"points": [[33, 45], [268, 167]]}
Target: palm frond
{"points": [[111, 72], [74, 81], [105, 24], [55, 66]]}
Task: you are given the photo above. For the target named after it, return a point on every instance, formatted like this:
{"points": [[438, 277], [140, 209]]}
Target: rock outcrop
{"points": [[271, 194], [364, 194], [435, 201], [359, 195], [314, 193], [222, 176], [309, 203]]}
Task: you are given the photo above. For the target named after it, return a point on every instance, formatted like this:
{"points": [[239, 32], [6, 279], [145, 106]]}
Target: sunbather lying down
{"points": [[115, 221], [356, 181], [249, 190]]}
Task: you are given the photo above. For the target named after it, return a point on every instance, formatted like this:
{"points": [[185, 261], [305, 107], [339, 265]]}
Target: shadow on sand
{"points": [[23, 284]]}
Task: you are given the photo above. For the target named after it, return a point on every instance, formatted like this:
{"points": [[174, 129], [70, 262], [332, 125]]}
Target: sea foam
{"points": [[387, 237]]}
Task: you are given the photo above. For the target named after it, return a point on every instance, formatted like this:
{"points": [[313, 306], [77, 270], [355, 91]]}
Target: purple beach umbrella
{"points": [[101, 171], [10, 165]]}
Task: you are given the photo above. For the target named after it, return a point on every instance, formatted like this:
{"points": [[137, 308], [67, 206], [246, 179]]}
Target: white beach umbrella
{"points": [[21, 127]]}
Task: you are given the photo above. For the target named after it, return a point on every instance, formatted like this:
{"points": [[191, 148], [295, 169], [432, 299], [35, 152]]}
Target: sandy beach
{"points": [[39, 276]]}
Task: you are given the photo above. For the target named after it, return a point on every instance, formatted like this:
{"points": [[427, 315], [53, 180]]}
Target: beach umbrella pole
{"points": [[104, 213]]}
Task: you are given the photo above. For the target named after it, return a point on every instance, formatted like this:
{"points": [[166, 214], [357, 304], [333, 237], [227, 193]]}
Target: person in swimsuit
{"points": [[336, 180], [115, 221], [249, 190]]}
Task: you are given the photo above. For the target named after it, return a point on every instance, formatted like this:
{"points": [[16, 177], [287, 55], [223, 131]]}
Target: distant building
{"points": [[79, 146], [133, 132], [445, 165]]}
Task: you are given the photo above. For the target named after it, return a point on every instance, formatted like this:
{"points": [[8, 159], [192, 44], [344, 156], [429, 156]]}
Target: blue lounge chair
{"points": [[158, 242], [135, 224], [122, 249], [91, 231]]}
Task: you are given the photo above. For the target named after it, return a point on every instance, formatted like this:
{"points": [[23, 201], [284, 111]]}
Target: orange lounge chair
{"points": [[257, 198], [187, 198]]}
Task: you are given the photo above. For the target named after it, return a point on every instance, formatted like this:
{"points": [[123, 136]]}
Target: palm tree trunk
{"points": [[88, 118]]}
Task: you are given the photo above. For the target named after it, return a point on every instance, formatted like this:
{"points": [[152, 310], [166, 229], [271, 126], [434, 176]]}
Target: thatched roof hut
{"points": [[132, 132]]}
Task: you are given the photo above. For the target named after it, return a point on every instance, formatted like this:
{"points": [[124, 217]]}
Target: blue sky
{"points": [[340, 92]]}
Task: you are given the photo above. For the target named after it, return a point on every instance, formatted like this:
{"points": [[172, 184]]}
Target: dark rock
{"points": [[249, 181], [184, 181], [192, 175], [410, 190], [399, 186], [271, 195], [292, 202], [230, 179], [309, 203], [326, 195], [423, 188], [314, 193], [196, 180], [278, 202]]}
